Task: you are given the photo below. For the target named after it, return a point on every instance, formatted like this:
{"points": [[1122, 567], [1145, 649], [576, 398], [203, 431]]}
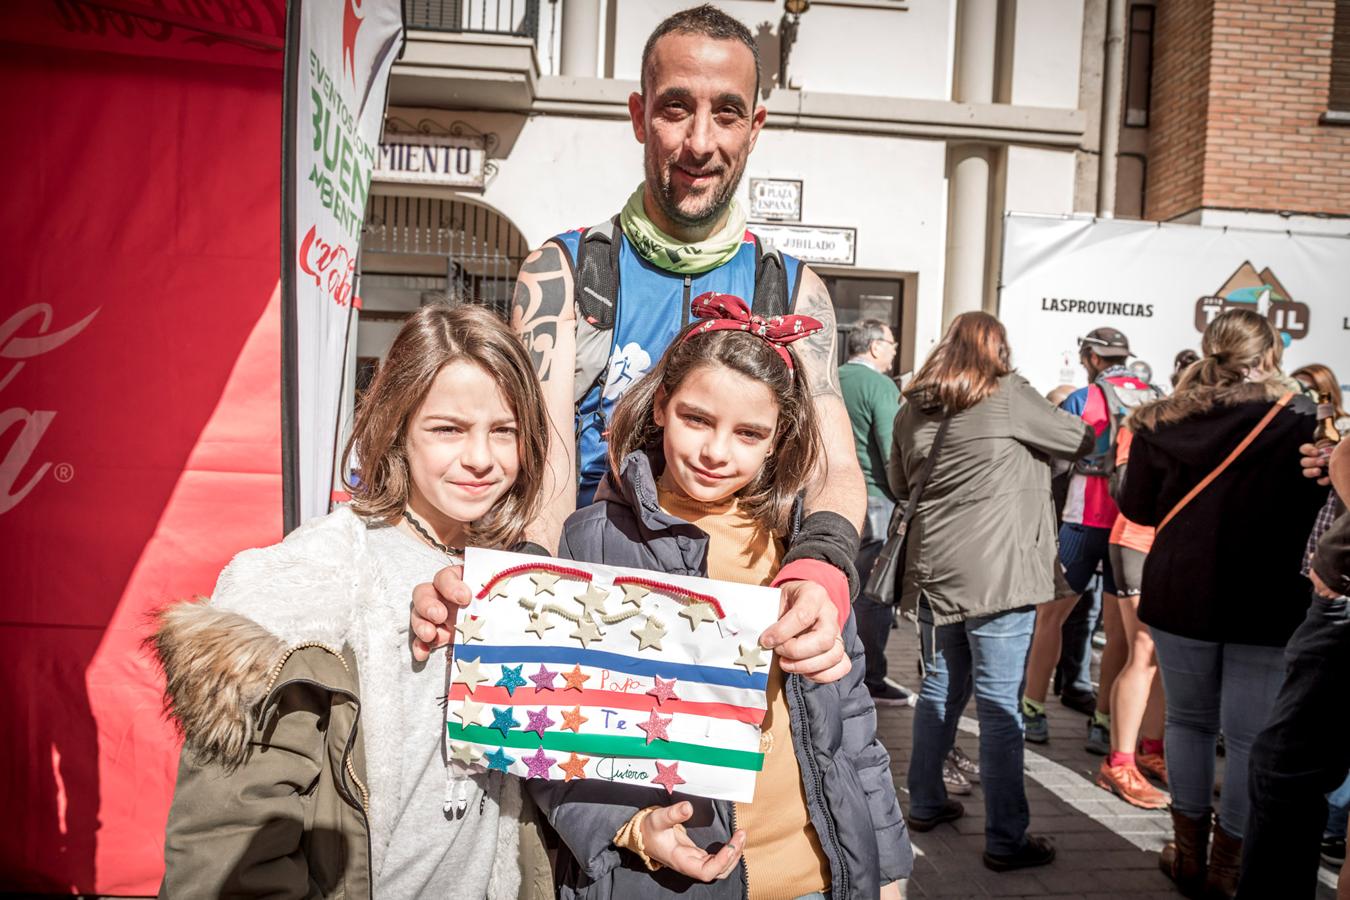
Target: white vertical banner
{"points": [[338, 57], [1161, 284]]}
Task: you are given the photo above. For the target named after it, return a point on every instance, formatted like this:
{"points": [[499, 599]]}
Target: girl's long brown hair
{"points": [[797, 449], [1324, 382], [432, 338], [964, 367], [1235, 342]]}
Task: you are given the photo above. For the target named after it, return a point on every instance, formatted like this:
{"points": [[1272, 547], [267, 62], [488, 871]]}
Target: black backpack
{"points": [[596, 293]]}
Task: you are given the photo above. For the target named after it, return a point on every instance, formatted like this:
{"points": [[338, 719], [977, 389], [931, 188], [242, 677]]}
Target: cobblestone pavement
{"points": [[1106, 848]]}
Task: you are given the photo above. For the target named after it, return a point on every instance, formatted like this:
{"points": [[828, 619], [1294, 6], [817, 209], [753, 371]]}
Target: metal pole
{"points": [[1113, 78]]}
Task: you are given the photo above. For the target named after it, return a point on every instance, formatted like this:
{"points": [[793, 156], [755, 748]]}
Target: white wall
{"points": [[857, 49], [1047, 53], [1039, 181]]}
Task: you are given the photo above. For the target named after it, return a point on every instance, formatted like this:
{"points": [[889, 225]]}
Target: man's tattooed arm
{"points": [[543, 314], [819, 352], [838, 486], [537, 309]]}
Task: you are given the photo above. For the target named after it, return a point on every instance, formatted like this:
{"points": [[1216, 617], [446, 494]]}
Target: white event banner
{"points": [[338, 61], [1161, 284]]}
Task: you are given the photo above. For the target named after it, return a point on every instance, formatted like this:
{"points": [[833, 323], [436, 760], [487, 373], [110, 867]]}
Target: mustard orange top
{"points": [[1126, 533]]}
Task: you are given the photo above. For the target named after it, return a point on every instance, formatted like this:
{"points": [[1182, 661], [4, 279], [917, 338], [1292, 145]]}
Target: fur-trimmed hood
{"points": [[1189, 404]]}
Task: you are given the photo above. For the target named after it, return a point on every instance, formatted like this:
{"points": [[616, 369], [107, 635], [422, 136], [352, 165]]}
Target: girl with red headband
{"points": [[709, 453]]}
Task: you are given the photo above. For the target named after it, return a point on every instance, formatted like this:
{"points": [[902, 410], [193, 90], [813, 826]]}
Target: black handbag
{"points": [[890, 565]]}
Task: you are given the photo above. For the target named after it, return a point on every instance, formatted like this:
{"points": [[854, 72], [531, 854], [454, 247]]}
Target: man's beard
{"points": [[714, 203]]}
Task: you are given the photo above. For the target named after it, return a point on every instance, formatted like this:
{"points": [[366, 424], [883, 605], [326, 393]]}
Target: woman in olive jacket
{"points": [[1221, 587], [980, 556]]}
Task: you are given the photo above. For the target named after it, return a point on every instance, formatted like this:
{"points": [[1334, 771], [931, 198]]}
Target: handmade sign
{"points": [[565, 670]]}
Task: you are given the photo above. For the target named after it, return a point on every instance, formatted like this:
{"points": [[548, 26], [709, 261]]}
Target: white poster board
{"points": [[1160, 284]]}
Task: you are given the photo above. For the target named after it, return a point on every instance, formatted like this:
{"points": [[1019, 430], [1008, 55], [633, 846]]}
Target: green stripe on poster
{"points": [[609, 745]]}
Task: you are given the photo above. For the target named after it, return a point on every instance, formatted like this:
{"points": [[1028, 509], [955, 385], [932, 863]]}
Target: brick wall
{"points": [[1179, 106], [1238, 89]]}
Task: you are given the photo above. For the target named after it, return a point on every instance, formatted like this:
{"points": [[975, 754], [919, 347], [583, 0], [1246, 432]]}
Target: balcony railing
{"points": [[519, 18]]}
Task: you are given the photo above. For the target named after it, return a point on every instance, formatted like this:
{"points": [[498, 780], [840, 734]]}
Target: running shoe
{"points": [[1153, 765], [964, 764], [1038, 728], [955, 782], [1098, 739], [1127, 783]]}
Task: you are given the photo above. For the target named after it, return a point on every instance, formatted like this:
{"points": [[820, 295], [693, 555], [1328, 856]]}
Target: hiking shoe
{"points": [[950, 812], [1127, 783], [1333, 852], [1038, 728], [1152, 765], [1084, 702], [951, 777], [890, 695], [1037, 851], [964, 764], [1098, 738]]}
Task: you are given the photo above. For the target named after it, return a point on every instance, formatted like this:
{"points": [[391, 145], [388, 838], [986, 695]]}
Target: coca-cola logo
{"points": [[24, 428], [332, 266]]}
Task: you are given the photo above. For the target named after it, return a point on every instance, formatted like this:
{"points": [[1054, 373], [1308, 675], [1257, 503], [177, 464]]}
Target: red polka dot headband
{"points": [[727, 312]]}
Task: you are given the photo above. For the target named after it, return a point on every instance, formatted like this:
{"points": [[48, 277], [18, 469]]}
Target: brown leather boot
{"points": [[1183, 859], [1225, 863]]}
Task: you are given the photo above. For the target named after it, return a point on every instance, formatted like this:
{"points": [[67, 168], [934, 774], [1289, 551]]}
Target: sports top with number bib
{"points": [[654, 307]]}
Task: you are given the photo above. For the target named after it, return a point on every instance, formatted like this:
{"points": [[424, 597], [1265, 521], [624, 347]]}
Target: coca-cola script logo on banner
{"points": [[26, 427], [332, 266]]}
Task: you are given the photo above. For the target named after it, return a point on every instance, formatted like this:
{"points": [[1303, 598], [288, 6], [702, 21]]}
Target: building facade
{"points": [[899, 134]]}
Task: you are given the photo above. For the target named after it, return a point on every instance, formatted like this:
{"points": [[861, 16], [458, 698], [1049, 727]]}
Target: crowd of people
{"points": [[311, 700]]}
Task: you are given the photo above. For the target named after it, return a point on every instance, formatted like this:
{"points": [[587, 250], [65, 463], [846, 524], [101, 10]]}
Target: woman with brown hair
{"points": [[313, 764], [1214, 469], [980, 556]]}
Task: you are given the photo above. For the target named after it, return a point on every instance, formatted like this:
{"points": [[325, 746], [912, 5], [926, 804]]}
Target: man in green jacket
{"points": [[873, 400]]}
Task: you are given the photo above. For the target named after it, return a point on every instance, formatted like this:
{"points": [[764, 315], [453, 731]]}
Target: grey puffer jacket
{"points": [[845, 769]]}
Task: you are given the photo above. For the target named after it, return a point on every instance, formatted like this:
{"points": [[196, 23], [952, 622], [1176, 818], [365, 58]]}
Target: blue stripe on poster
{"points": [[615, 662]]}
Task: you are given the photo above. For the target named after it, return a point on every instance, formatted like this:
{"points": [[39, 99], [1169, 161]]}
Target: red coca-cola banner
{"points": [[139, 399]]}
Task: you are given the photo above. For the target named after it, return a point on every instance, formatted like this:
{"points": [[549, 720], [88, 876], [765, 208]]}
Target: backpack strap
{"points": [[595, 290], [773, 295]]}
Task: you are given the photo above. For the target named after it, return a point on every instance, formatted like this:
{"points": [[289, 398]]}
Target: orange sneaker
{"points": [[1127, 783], [1154, 765]]}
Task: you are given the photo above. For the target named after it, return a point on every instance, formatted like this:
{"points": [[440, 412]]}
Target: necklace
{"points": [[455, 555]]}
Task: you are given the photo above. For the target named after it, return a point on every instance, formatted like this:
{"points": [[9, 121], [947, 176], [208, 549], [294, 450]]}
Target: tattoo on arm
{"points": [[819, 353], [538, 304]]}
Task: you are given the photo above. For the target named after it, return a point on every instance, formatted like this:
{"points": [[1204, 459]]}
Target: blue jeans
{"points": [[1302, 754], [1209, 687], [873, 619], [1338, 812], [985, 656]]}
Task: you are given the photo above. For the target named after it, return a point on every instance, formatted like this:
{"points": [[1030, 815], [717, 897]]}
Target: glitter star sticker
{"points": [[572, 719], [470, 673], [539, 623], [634, 594], [503, 720], [499, 761], [751, 658], [587, 631], [511, 679], [593, 600], [545, 582], [576, 679], [469, 712], [697, 614], [575, 767], [467, 754], [538, 764], [663, 690], [539, 721], [650, 634], [543, 679], [655, 726], [667, 777], [469, 629]]}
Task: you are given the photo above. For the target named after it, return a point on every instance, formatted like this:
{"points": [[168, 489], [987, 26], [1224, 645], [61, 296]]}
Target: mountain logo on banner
{"points": [[1260, 291]]}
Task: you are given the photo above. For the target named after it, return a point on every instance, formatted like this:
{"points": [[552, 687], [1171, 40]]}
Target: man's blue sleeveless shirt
{"points": [[653, 308]]}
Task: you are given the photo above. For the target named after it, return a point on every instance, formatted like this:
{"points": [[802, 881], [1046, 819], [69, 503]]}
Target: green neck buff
{"points": [[662, 250]]}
